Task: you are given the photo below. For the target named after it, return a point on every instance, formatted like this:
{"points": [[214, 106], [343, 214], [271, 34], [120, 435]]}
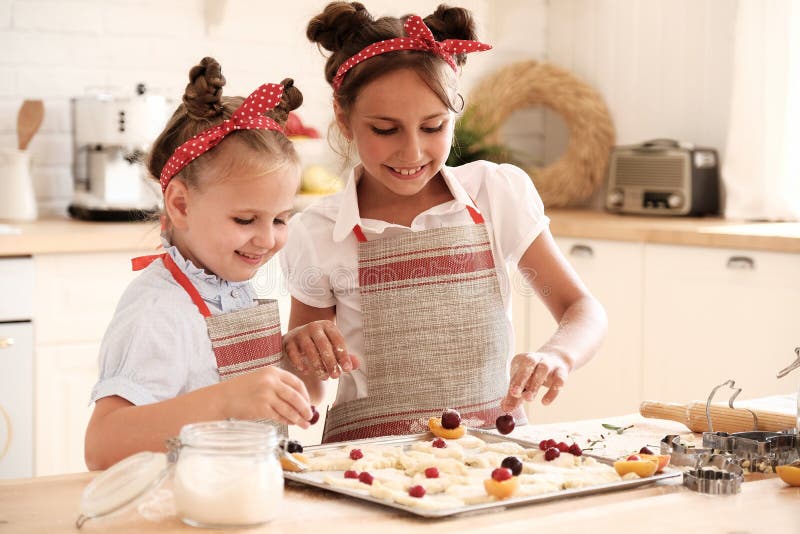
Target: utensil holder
{"points": [[17, 197]]}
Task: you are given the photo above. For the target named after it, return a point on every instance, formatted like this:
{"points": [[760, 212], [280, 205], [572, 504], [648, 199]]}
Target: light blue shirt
{"points": [[156, 346]]}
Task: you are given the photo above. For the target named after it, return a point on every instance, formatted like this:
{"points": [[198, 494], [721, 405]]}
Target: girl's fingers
{"points": [[556, 382], [285, 410], [537, 379], [309, 352], [339, 347], [325, 351], [293, 353], [297, 385]]}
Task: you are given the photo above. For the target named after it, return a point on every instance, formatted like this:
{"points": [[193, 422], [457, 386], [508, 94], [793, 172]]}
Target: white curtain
{"points": [[762, 168]]}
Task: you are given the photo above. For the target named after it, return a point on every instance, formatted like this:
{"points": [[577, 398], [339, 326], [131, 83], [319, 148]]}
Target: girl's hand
{"points": [[318, 347], [529, 372], [268, 393]]}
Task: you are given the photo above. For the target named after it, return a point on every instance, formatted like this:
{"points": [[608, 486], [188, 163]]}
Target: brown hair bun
{"points": [[337, 22], [452, 23], [291, 99], [203, 95]]}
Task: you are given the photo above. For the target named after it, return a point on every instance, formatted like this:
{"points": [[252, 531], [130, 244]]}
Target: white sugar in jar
{"points": [[227, 474]]}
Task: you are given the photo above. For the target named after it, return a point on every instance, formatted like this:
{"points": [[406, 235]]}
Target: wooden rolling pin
{"points": [[723, 418]]}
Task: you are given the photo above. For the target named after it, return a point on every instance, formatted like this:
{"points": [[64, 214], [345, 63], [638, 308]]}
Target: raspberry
{"points": [[645, 450], [563, 447], [416, 491], [314, 415], [350, 474], [439, 443], [366, 478], [505, 423], [551, 454], [575, 449], [451, 419], [431, 472], [544, 445], [501, 473], [356, 454], [513, 463]]}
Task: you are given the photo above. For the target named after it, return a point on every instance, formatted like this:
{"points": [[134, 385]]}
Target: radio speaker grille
{"points": [[652, 171]]}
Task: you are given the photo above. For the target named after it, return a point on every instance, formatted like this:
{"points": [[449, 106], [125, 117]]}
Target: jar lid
{"points": [[122, 484]]}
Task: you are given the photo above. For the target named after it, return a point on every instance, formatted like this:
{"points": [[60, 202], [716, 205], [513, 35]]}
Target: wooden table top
{"points": [[765, 504]]}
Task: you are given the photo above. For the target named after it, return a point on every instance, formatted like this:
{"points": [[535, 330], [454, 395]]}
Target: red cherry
{"points": [[451, 419], [563, 447], [543, 445], [431, 472], [439, 443], [366, 478], [502, 473], [645, 450], [356, 454], [551, 443], [551, 454], [314, 415], [633, 458], [416, 491], [575, 449], [505, 423], [350, 474]]}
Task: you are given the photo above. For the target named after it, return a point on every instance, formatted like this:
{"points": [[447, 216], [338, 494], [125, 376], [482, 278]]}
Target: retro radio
{"points": [[663, 177]]}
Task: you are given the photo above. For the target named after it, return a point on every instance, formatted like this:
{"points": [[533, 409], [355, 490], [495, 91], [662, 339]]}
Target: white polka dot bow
{"points": [[249, 116], [419, 37]]}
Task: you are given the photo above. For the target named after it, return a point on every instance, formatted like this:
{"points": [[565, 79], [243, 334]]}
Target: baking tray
{"points": [[315, 478]]}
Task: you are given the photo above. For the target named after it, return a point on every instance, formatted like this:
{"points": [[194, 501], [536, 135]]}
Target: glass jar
{"points": [[227, 474]]}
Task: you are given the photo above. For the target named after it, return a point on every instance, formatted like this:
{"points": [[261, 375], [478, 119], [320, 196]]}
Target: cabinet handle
{"points": [[6, 342], [741, 263], [581, 251]]}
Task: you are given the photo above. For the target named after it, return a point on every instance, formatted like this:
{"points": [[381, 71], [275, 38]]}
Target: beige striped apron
{"points": [[242, 341], [435, 333]]}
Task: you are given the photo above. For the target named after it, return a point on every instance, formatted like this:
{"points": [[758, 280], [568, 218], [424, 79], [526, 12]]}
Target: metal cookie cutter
{"points": [[785, 371], [755, 450], [715, 474]]}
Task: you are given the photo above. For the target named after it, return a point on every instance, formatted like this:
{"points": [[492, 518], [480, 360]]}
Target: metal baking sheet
{"points": [[314, 478]]}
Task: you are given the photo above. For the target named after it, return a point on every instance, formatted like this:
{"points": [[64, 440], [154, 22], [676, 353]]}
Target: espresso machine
{"points": [[112, 133]]}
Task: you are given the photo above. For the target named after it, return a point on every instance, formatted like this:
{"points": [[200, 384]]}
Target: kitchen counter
{"points": [[765, 504], [63, 235]]}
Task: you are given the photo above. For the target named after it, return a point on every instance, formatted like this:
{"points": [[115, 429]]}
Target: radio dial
{"points": [[615, 198], [675, 200]]}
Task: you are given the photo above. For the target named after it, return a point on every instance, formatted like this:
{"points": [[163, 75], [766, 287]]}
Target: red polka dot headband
{"points": [[419, 37], [249, 116]]}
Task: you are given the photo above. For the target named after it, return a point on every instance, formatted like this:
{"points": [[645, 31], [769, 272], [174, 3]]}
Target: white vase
{"points": [[17, 197]]}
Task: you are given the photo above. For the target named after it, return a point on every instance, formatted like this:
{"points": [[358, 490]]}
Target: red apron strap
{"points": [[475, 214], [359, 234], [143, 261], [183, 280]]}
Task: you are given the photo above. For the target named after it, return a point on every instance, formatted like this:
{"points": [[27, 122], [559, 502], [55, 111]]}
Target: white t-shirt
{"points": [[320, 259], [157, 346]]}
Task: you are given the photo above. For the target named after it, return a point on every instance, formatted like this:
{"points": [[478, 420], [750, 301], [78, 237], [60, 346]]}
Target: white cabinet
{"points": [[74, 299], [609, 384], [715, 314]]}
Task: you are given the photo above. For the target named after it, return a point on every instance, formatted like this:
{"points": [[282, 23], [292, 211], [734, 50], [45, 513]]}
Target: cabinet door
{"points": [[76, 294], [609, 384], [64, 376], [718, 314], [16, 400]]}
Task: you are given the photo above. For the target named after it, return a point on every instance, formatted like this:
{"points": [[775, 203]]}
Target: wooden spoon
{"points": [[28, 121]]}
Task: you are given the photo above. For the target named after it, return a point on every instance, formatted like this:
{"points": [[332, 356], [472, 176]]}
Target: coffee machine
{"points": [[111, 135]]}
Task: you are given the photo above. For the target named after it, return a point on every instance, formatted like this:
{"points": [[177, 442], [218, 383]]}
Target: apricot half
{"points": [[289, 466], [662, 459], [789, 474], [435, 424], [643, 468], [501, 489]]}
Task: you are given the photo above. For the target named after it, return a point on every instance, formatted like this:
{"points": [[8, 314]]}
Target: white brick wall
{"points": [[56, 49]]}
